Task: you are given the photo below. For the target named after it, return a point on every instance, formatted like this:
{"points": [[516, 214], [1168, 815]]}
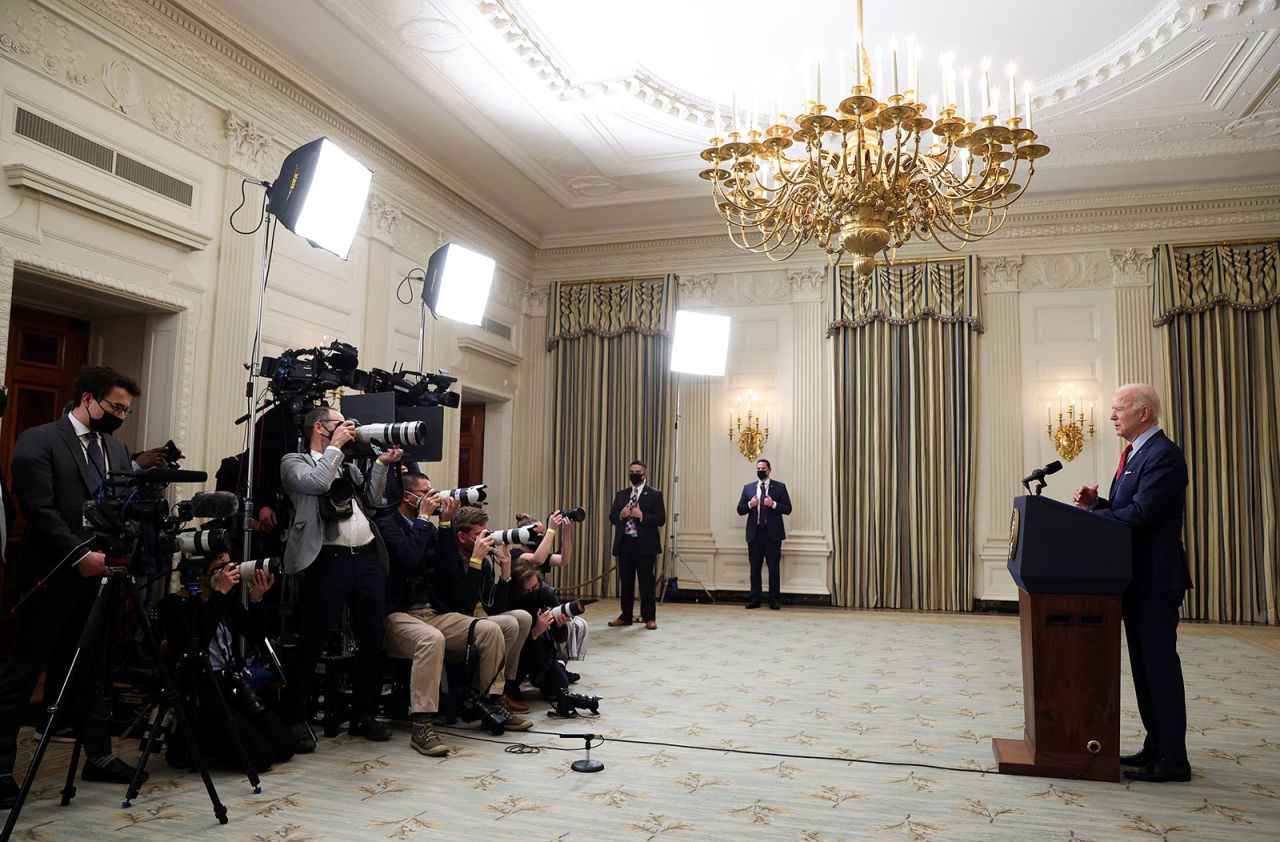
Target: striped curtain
{"points": [[904, 361], [613, 402], [1219, 308]]}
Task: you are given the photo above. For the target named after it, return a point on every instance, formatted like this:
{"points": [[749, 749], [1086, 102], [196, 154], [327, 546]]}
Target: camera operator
{"points": [[333, 543], [57, 467], [415, 629], [479, 572], [539, 658], [220, 618]]}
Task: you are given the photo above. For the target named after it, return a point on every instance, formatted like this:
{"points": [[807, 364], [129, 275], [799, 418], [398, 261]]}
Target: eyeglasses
{"points": [[117, 408]]}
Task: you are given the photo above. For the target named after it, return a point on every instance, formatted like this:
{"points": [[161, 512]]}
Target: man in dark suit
{"points": [[764, 502], [1148, 495], [57, 467], [637, 514]]}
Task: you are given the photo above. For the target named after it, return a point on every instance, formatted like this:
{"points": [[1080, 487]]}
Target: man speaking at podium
{"points": [[1148, 495]]}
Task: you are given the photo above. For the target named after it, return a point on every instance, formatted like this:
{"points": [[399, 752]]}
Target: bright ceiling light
{"points": [[700, 344], [458, 282], [320, 195]]}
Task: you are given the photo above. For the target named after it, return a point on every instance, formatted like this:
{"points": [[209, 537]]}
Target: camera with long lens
{"points": [[476, 708], [135, 500], [273, 566], [573, 608], [568, 704], [204, 543], [577, 514], [401, 433], [519, 535], [467, 496], [238, 682]]}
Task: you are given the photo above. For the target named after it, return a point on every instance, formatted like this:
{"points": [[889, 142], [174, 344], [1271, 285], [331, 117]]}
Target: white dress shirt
{"points": [[355, 530]]}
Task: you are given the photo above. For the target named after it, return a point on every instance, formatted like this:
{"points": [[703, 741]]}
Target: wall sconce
{"points": [[1068, 439], [746, 429]]}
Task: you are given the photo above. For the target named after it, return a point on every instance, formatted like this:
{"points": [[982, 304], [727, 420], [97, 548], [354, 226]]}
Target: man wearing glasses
{"points": [[57, 467]]}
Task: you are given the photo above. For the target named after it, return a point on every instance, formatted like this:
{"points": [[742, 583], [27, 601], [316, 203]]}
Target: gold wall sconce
{"points": [[1068, 439], [746, 428]]}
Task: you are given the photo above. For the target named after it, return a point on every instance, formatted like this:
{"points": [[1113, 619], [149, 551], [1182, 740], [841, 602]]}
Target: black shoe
{"points": [[513, 691], [116, 772], [773, 606], [1161, 772], [8, 792], [752, 604], [573, 676], [1142, 758], [303, 742], [370, 728]]}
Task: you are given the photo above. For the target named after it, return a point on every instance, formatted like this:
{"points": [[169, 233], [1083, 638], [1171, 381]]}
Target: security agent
{"points": [[57, 468], [335, 546]]}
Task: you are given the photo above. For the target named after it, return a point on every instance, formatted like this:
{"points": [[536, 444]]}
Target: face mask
{"points": [[107, 423], [636, 479], [762, 474]]}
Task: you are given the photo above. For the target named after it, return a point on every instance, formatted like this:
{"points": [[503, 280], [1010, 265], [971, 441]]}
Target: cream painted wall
{"points": [[1065, 286]]}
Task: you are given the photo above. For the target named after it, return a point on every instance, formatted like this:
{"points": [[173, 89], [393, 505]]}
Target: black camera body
{"points": [[308, 373], [238, 682]]}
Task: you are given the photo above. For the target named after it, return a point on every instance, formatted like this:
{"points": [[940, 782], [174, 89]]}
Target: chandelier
{"points": [[751, 439], [1068, 439], [880, 169]]}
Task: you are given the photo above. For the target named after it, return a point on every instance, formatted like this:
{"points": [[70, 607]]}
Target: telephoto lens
{"points": [[403, 433], [467, 496], [274, 567], [576, 514], [204, 542], [572, 608], [519, 535], [569, 704]]}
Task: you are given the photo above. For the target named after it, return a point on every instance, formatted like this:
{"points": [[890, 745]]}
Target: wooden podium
{"points": [[1071, 569]]}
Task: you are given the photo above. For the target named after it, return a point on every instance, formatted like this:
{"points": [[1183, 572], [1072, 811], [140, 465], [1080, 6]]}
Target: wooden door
{"points": [[471, 445], [46, 352]]}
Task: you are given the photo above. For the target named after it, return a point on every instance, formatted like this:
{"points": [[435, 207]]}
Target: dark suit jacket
{"points": [[52, 480], [649, 537], [772, 517], [1149, 497]]}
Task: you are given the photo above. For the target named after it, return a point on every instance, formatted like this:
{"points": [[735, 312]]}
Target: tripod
{"points": [[115, 584], [193, 667], [673, 536]]}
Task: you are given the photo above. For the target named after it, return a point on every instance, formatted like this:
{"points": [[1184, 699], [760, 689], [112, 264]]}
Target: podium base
{"points": [[1016, 757]]}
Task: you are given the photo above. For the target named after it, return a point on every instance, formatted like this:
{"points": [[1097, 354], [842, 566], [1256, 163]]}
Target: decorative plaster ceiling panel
{"points": [[582, 114]]}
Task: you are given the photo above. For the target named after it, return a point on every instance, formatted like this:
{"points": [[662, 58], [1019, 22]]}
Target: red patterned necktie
{"points": [[1123, 456]]}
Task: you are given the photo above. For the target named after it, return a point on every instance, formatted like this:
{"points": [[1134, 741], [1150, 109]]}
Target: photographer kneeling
{"points": [[218, 619], [539, 658]]}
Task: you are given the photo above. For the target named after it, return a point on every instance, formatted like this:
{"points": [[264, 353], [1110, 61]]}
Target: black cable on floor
{"points": [[523, 749]]}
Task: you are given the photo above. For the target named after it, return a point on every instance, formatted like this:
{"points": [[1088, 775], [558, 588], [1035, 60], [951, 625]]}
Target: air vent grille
{"points": [[50, 134], [497, 328], [154, 180]]}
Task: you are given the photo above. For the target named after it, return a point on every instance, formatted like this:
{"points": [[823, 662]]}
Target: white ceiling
{"points": [[582, 118]]}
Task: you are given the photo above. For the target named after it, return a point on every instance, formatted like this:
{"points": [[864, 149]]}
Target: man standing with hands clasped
{"points": [[764, 502], [637, 514], [1148, 495]]}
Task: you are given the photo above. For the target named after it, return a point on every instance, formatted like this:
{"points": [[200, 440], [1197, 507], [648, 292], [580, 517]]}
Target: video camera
{"points": [[138, 498], [308, 373], [414, 388]]}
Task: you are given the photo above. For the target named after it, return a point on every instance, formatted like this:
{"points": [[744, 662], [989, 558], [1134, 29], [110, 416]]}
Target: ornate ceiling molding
{"points": [[1000, 274], [1131, 267]]}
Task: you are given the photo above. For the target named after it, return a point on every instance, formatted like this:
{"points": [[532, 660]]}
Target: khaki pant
{"points": [[515, 626], [427, 637]]}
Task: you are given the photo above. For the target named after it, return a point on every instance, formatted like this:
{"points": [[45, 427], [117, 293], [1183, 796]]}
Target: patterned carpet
{"points": [[907, 691]]}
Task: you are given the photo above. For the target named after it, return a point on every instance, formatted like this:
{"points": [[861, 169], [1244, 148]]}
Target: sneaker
{"points": [[370, 728], [115, 772], [303, 742], [511, 721], [426, 741]]}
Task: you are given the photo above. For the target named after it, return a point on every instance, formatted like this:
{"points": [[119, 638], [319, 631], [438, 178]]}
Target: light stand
{"points": [[673, 538], [251, 397]]}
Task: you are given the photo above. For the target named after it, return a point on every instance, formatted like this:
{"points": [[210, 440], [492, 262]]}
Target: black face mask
{"points": [[106, 424], [762, 474], [636, 479]]}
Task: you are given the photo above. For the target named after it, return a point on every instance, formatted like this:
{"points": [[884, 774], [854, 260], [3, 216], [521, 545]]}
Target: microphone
{"points": [[1039, 474], [214, 504]]}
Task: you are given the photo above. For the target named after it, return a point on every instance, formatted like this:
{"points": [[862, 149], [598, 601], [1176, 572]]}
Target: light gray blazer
{"points": [[305, 481]]}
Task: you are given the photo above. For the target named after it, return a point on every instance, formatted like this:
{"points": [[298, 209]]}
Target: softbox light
{"points": [[700, 344], [320, 195], [458, 282]]}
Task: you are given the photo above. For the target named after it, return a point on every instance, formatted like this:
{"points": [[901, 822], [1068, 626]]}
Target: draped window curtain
{"points": [[1219, 308], [613, 402], [904, 350]]}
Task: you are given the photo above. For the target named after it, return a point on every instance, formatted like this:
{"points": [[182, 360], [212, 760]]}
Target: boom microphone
{"points": [[1039, 474], [214, 504]]}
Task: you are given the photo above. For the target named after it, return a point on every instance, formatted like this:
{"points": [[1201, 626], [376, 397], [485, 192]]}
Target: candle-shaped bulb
{"points": [[1026, 104]]}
